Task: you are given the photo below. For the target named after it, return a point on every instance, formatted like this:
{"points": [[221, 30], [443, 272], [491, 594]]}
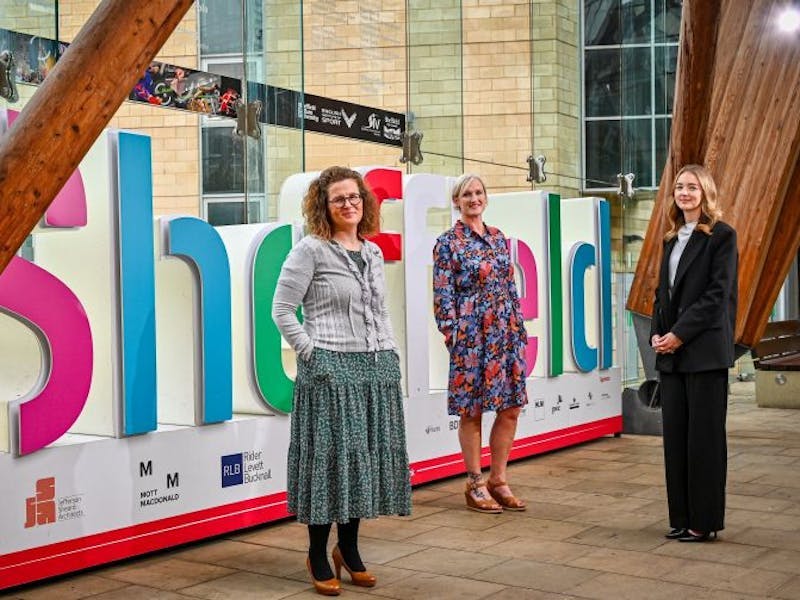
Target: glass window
{"points": [[602, 82], [636, 21], [667, 20], [221, 26], [637, 151], [630, 57], [223, 161], [663, 126], [636, 80], [229, 212], [602, 153], [666, 58], [602, 22]]}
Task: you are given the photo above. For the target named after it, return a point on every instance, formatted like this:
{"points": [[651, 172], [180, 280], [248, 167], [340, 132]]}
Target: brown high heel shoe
{"points": [[509, 502], [362, 578], [328, 587], [482, 505]]}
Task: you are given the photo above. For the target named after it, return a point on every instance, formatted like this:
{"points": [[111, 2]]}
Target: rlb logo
{"points": [[232, 471]]}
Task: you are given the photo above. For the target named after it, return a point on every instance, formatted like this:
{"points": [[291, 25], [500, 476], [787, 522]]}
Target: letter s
{"points": [[45, 304]]}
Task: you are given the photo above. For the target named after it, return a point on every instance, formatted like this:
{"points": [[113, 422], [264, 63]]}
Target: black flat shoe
{"points": [[676, 532], [694, 536]]}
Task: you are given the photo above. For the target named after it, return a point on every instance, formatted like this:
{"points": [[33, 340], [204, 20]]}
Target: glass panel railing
{"points": [[356, 55], [435, 85], [281, 67], [230, 166], [28, 43]]}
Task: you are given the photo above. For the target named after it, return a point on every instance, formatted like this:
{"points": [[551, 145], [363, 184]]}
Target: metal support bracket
{"points": [[247, 119], [625, 182], [536, 168], [8, 87], [411, 147]]}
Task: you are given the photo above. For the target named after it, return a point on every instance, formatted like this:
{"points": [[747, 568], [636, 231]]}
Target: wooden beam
{"points": [[691, 113], [745, 127], [72, 106]]}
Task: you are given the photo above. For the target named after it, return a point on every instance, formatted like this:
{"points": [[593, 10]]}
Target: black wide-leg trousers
{"points": [[693, 410]]}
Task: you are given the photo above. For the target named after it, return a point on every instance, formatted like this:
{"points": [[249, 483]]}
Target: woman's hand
{"points": [[666, 344]]}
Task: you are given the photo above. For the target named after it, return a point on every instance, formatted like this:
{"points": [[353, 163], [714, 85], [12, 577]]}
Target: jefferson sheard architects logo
{"points": [[44, 508], [244, 467]]}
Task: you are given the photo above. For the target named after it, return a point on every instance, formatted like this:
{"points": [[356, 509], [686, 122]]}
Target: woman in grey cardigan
{"points": [[347, 456]]}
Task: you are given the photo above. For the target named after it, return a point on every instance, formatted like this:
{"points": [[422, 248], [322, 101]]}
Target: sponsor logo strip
{"points": [[55, 559]]}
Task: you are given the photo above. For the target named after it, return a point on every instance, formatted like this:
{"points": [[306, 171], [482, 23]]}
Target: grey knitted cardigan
{"points": [[343, 310]]}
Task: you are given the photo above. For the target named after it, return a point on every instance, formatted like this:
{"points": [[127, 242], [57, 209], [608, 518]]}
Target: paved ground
{"points": [[593, 530]]}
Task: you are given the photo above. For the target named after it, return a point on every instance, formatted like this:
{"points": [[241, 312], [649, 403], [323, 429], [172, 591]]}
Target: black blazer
{"points": [[702, 310]]}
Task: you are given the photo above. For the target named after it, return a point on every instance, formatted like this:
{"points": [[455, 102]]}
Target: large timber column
{"points": [[737, 110], [73, 105]]}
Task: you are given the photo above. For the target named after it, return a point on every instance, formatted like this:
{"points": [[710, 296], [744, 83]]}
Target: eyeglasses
{"points": [[339, 201]]}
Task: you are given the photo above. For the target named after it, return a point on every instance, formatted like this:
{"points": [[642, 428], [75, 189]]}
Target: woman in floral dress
{"points": [[477, 308]]}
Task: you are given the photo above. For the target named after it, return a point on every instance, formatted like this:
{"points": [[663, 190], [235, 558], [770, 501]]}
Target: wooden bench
{"points": [[776, 358]]}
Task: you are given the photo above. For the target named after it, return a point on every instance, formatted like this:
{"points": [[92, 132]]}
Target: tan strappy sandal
{"points": [[509, 502], [482, 505]]}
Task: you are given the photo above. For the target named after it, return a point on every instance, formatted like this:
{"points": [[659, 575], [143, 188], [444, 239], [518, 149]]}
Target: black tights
{"points": [[318, 548]]}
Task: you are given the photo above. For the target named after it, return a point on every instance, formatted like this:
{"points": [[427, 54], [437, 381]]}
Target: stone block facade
{"points": [[488, 82]]}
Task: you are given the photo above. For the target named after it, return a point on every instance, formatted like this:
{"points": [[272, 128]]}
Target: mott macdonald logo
{"points": [[153, 496], [43, 507], [244, 467]]}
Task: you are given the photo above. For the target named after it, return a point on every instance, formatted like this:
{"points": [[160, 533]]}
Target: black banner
{"points": [[172, 86]]}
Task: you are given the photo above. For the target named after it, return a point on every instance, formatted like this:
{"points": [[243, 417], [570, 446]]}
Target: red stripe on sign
{"points": [[446, 466], [42, 562], [30, 565]]}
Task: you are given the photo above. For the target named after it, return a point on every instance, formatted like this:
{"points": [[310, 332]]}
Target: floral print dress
{"points": [[476, 306]]}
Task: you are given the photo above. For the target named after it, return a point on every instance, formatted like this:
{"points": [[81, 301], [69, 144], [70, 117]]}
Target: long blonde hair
{"points": [[710, 212]]}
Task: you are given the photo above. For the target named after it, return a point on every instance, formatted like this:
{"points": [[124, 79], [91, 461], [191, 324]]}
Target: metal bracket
{"points": [[411, 147], [625, 182], [536, 168], [247, 119], [8, 87]]}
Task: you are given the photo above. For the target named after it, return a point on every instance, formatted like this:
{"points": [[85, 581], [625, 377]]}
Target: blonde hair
{"points": [[463, 182], [710, 212], [315, 203]]}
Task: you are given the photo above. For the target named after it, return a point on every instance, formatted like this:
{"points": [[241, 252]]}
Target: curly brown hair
{"points": [[710, 212], [315, 203]]}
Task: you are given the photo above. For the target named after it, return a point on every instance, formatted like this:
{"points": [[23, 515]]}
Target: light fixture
{"points": [[789, 20]]}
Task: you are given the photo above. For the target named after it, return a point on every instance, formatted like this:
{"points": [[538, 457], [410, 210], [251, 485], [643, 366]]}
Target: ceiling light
{"points": [[789, 20]]}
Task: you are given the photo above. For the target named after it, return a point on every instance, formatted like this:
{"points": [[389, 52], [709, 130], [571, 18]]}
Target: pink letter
{"points": [[529, 296], [69, 207], [48, 306]]}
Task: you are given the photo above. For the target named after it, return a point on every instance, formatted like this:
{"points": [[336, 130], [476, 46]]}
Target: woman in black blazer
{"points": [[694, 319]]}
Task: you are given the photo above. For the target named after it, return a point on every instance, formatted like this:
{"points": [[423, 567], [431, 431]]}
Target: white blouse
{"points": [[684, 233]]}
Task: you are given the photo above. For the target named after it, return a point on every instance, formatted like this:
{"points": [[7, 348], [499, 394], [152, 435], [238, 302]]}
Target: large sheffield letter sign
{"points": [[145, 394]]}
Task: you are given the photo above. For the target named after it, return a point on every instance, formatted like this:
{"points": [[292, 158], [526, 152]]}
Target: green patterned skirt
{"points": [[347, 453]]}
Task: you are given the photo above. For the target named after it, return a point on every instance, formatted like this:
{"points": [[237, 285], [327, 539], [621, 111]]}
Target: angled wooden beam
{"points": [[741, 118], [72, 106], [691, 113]]}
